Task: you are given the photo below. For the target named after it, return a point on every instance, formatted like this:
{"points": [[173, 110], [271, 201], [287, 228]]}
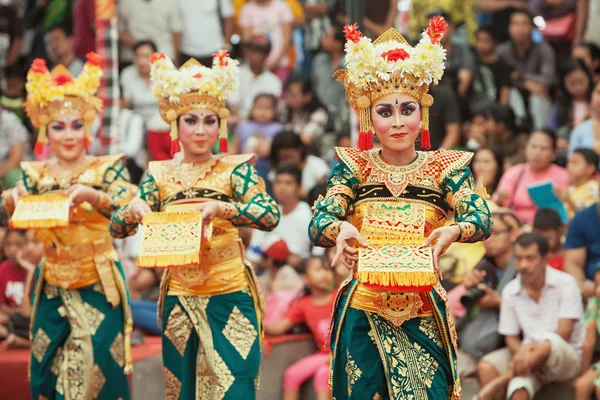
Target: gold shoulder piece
{"points": [[237, 159], [158, 168], [355, 159], [319, 198], [33, 168]]}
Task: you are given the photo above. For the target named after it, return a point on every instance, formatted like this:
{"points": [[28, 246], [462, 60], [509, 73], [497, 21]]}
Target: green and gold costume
{"points": [[210, 312], [392, 333], [80, 322]]}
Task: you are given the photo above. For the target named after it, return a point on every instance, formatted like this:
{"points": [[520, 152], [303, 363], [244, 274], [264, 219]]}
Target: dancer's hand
{"points": [[443, 238], [17, 192], [345, 253], [210, 210], [79, 193], [139, 211]]}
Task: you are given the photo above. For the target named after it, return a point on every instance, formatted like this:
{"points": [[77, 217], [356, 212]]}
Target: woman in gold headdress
{"points": [[393, 336], [80, 317], [210, 310]]}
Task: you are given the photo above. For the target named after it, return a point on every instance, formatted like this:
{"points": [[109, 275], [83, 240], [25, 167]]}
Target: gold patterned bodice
{"points": [[395, 209], [183, 185], [73, 253]]}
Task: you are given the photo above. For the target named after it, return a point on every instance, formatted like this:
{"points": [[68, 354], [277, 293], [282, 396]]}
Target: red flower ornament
{"points": [[156, 56], [395, 55], [437, 28], [39, 66], [93, 58], [352, 33], [62, 79], [222, 56]]}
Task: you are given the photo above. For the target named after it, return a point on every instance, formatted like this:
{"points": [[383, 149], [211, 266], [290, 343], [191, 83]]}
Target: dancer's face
{"points": [[396, 119], [66, 137], [198, 131]]}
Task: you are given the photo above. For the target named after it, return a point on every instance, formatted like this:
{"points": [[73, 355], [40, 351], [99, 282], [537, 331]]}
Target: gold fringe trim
{"points": [[394, 279], [165, 244], [41, 211]]}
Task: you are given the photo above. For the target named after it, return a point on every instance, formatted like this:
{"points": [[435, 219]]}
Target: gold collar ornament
{"points": [[194, 86], [389, 65], [55, 93]]}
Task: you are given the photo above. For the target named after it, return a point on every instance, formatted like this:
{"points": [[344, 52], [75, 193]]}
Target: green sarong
{"points": [[78, 349], [211, 346], [373, 359]]}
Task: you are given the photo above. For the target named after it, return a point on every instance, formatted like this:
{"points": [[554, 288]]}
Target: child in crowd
{"points": [[588, 382], [303, 113], [13, 92], [585, 190], [27, 258], [314, 310], [548, 223], [12, 278], [255, 136], [280, 282]]}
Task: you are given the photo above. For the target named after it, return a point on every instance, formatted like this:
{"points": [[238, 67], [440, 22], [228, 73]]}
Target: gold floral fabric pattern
{"points": [[353, 372], [178, 329], [117, 350], [39, 345], [429, 327], [240, 332], [173, 385], [98, 381]]}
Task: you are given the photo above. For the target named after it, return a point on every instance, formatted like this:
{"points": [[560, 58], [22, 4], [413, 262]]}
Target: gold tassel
{"points": [[396, 279], [365, 135], [174, 134], [42, 138], [426, 102], [41, 211], [223, 139], [88, 120]]}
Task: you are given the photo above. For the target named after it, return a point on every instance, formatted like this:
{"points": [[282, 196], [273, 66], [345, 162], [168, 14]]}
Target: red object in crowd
{"points": [[159, 145]]}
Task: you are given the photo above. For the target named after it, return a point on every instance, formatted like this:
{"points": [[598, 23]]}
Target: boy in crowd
{"points": [[547, 222]]}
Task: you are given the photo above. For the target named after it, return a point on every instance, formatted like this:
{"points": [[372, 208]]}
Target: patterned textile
{"points": [[78, 347], [396, 208], [211, 348], [373, 359]]}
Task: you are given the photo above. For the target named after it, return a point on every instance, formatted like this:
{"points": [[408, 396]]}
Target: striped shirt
{"points": [[560, 299]]}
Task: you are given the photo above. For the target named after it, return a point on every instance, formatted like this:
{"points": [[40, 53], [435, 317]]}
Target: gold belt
{"points": [[222, 271], [396, 307], [81, 265]]}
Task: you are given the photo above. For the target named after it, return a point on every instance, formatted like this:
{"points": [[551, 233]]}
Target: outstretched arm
{"points": [[252, 206], [471, 212], [124, 222], [331, 211]]}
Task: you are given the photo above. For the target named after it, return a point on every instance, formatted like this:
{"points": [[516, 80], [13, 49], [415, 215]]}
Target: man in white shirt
{"points": [[295, 216], [155, 20], [544, 307], [206, 27], [255, 78]]}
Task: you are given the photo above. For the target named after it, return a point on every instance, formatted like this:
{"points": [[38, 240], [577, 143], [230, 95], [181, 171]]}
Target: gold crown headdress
{"points": [[194, 86], [51, 94], [390, 65]]}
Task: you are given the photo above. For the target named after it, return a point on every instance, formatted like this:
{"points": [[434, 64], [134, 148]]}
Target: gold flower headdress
{"points": [[194, 86], [390, 65], [51, 94]]}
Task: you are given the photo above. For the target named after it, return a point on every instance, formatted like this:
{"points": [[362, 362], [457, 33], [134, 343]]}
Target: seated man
{"points": [[544, 307]]}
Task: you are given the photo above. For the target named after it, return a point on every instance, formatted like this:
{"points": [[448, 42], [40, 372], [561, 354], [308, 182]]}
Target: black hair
{"points": [[524, 12], [590, 156], [564, 99], [487, 29], [15, 70], [266, 96], [498, 154], [594, 51], [290, 169], [21, 232], [286, 140], [338, 35], [320, 189], [547, 218], [145, 43], [549, 133], [306, 87], [534, 238], [66, 26], [503, 113]]}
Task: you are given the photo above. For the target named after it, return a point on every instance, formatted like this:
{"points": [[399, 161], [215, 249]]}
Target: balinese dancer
{"points": [[392, 334], [80, 317], [211, 311]]}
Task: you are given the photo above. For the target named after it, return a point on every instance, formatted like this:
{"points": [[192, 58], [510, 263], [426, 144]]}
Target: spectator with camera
{"points": [[482, 288]]}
